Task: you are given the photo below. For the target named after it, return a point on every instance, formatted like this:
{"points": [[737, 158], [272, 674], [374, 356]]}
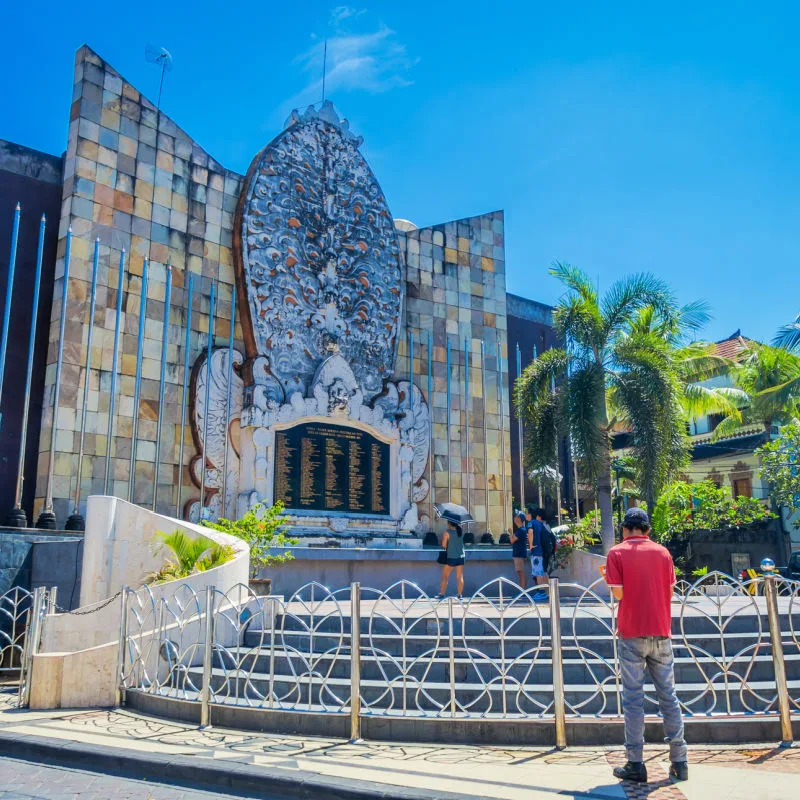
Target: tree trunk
{"points": [[604, 501]]}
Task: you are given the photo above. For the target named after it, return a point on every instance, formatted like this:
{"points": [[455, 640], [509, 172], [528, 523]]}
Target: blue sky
{"points": [[616, 136]]}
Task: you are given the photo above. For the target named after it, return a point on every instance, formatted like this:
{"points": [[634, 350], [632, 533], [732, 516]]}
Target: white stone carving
{"points": [[219, 433]]}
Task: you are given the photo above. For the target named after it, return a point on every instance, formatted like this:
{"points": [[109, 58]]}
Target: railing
{"points": [[21, 615], [548, 653]]}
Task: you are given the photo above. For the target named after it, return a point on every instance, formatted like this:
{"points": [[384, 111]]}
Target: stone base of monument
{"points": [[349, 532]]}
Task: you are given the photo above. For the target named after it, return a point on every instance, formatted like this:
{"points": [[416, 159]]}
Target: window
{"points": [[742, 487]]}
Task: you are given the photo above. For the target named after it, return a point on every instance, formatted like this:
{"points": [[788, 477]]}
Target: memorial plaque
{"points": [[329, 467]]}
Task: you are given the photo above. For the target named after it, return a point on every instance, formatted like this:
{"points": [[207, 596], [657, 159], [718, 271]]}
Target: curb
{"points": [[244, 780]]}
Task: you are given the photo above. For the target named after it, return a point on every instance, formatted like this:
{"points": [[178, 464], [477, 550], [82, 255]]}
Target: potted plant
{"points": [[262, 529]]}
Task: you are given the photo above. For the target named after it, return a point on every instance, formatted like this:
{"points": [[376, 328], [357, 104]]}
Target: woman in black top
{"points": [[520, 544]]}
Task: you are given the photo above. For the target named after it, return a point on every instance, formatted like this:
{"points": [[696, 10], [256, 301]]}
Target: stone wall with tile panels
{"points": [[455, 288], [136, 181]]}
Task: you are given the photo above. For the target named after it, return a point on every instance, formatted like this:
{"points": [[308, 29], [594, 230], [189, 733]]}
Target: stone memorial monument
{"points": [[320, 423]]}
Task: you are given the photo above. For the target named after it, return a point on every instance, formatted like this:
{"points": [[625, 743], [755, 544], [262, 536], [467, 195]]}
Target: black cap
{"points": [[636, 518]]}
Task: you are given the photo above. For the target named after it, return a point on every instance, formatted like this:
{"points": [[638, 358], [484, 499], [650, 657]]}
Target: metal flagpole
{"points": [[17, 518], [558, 460], [76, 522], [137, 386], [500, 400], [466, 424], [185, 395], [228, 405], [114, 364], [47, 519], [9, 291], [519, 438], [208, 389], [162, 382], [431, 458], [449, 437], [539, 479], [485, 443]]}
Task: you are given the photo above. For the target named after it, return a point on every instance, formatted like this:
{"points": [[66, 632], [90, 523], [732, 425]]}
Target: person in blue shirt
{"points": [[536, 547], [520, 543]]}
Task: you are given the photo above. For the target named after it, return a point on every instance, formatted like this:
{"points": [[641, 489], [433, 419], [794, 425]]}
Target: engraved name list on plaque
{"points": [[329, 467]]}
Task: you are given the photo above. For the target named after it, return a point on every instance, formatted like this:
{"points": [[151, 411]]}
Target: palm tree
{"points": [[769, 377], [617, 364], [788, 337]]}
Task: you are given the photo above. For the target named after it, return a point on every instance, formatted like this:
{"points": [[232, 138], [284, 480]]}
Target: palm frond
{"points": [[628, 295], [788, 337], [575, 279], [699, 401]]}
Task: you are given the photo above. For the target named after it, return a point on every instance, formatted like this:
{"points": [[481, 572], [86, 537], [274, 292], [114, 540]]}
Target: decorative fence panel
{"points": [[399, 652]]}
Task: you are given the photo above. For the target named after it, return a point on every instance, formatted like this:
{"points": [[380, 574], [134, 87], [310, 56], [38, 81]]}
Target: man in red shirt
{"points": [[640, 574]]}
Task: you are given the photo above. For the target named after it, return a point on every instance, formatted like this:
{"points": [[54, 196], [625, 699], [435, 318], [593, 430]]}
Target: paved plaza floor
{"points": [[757, 772]]}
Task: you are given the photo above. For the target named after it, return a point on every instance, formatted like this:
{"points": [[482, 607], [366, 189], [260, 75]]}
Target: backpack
{"points": [[548, 539]]}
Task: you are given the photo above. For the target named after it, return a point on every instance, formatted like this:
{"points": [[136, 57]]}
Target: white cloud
{"points": [[371, 59]]}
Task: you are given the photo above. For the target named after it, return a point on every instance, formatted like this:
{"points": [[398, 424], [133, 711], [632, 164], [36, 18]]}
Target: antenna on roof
{"points": [[324, 68], [159, 55]]}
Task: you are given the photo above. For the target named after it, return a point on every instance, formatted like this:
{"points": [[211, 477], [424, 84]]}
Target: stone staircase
{"points": [[310, 665]]}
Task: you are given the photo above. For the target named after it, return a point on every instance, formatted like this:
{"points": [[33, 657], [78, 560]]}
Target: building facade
{"points": [[325, 312]]}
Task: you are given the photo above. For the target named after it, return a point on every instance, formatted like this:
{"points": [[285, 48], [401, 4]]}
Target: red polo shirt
{"points": [[644, 571]]}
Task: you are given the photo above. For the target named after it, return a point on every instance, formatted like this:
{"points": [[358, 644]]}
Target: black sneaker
{"points": [[678, 771], [634, 771]]}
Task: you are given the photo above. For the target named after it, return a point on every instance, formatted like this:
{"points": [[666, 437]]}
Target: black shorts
{"points": [[456, 562]]}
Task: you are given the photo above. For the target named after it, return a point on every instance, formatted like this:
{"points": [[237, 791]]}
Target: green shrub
{"points": [[261, 528]]}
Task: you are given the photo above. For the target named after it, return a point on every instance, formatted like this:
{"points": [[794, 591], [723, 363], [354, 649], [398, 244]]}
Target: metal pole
{"points": [[501, 404], [113, 394], [228, 406], [558, 459], [519, 439], [208, 389], [137, 386], [162, 382], [451, 647], [185, 395], [355, 662], [17, 517], [119, 696], [47, 517], [559, 700], [449, 436], [76, 519], [12, 263], [467, 448], [778, 662], [52, 597], [411, 411], [431, 457], [205, 691], [539, 480], [32, 644], [485, 443], [575, 480]]}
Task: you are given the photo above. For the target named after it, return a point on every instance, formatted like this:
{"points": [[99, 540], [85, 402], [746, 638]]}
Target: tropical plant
{"points": [[189, 555], [684, 508], [770, 378], [578, 536], [262, 528], [617, 364], [788, 336], [780, 467]]}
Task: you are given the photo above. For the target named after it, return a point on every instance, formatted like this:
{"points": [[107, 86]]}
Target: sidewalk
{"points": [[252, 764]]}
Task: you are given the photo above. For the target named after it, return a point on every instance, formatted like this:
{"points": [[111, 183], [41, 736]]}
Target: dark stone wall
{"points": [[713, 549], [29, 559], [32, 179]]}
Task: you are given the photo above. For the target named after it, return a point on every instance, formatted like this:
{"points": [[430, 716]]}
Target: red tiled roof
{"points": [[733, 347]]}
